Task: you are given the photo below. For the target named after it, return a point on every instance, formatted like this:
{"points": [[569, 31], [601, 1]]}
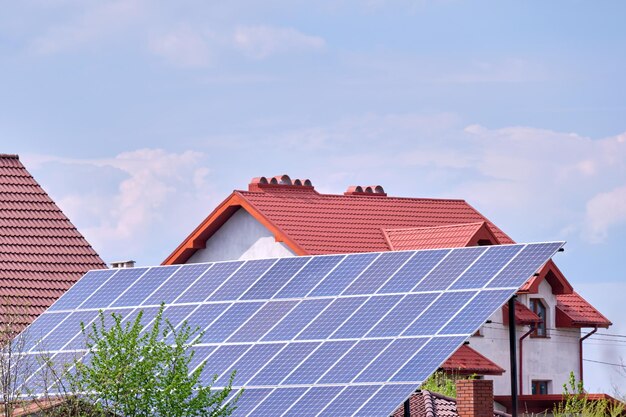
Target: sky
{"points": [[139, 117]]}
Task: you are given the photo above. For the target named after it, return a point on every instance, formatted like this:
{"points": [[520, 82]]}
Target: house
{"points": [[281, 217], [41, 252]]}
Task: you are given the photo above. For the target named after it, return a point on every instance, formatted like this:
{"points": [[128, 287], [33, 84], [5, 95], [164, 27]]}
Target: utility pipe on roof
{"points": [[521, 359], [580, 358]]}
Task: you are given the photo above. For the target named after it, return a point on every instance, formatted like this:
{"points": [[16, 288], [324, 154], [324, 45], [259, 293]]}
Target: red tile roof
{"points": [[41, 252], [466, 361], [431, 404], [314, 224], [449, 236], [523, 315], [574, 311]]}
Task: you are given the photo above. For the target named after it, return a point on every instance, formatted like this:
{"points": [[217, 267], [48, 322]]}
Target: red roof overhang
{"points": [[574, 311], [523, 315], [553, 275], [466, 361]]}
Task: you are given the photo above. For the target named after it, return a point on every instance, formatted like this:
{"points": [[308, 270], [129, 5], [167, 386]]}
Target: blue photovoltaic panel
{"points": [[486, 267], [311, 275], [402, 315], [331, 335], [82, 289], [249, 401], [439, 313], [290, 325], [322, 359], [278, 401], [413, 271], [449, 269], [389, 361], [177, 284], [524, 264], [350, 400], [250, 363], [262, 321], [334, 315], [429, 358], [342, 276], [144, 286], [38, 330], [211, 280], [229, 322], [366, 317], [240, 281], [311, 404], [387, 398], [469, 318], [275, 278], [378, 273], [113, 288], [354, 361], [288, 358]]}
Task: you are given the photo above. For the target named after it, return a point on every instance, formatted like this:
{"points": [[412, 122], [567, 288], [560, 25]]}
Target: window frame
{"points": [[536, 384], [541, 329]]}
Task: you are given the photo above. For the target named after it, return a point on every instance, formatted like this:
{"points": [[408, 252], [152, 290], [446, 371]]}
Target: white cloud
{"points": [[262, 41], [183, 47], [605, 210], [152, 193]]}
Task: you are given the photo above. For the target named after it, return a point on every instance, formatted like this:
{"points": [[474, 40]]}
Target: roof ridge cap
{"points": [[9, 156]]}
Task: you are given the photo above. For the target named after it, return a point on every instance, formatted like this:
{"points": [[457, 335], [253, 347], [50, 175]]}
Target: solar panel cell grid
{"points": [[449, 269], [177, 284], [211, 280], [337, 281], [413, 271], [275, 278], [144, 286], [311, 275], [378, 273], [325, 347], [82, 289]]}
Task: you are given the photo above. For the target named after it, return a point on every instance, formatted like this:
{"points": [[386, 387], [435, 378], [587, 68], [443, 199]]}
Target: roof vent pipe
{"points": [[123, 264], [281, 180]]}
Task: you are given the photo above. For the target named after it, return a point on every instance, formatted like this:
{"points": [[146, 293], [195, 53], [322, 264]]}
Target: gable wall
{"points": [[241, 237], [550, 358]]}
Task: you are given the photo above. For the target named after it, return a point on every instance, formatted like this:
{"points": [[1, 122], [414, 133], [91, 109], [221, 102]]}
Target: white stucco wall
{"points": [[549, 359], [241, 237]]}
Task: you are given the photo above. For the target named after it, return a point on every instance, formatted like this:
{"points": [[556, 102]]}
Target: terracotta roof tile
{"points": [[416, 238], [575, 311], [467, 361], [431, 404], [41, 252], [355, 223], [523, 315]]}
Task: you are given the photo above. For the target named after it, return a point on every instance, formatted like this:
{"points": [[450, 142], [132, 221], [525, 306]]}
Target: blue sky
{"points": [[138, 117]]}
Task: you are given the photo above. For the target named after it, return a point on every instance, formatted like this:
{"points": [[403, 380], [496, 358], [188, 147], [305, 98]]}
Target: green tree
{"points": [[136, 371]]}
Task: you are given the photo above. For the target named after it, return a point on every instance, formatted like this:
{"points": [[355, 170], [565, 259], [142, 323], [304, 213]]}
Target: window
{"points": [[540, 387], [539, 308]]}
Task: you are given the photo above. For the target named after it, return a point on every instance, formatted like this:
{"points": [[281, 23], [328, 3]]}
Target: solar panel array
{"points": [[333, 335]]}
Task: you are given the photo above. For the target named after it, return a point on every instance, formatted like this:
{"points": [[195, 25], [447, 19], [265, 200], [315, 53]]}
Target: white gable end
{"points": [[241, 237]]}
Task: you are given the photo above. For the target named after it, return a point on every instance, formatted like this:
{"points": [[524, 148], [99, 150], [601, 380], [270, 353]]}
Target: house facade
{"points": [[281, 217]]}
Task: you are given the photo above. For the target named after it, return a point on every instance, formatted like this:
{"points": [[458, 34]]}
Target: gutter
{"points": [[521, 358], [595, 329]]}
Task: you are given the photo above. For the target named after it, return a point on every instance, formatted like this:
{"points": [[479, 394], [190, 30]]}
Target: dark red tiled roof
{"points": [[467, 361], [41, 252], [346, 224], [574, 311], [523, 315], [450, 236], [431, 404]]}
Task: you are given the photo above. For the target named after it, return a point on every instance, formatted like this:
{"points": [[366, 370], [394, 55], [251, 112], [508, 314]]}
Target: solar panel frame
{"points": [[325, 299]]}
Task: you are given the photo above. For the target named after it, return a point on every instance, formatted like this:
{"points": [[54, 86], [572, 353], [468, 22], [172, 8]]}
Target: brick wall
{"points": [[474, 398]]}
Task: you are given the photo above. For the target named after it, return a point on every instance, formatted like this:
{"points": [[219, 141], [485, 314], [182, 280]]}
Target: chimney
{"points": [[366, 190], [474, 397], [123, 264], [282, 181]]}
